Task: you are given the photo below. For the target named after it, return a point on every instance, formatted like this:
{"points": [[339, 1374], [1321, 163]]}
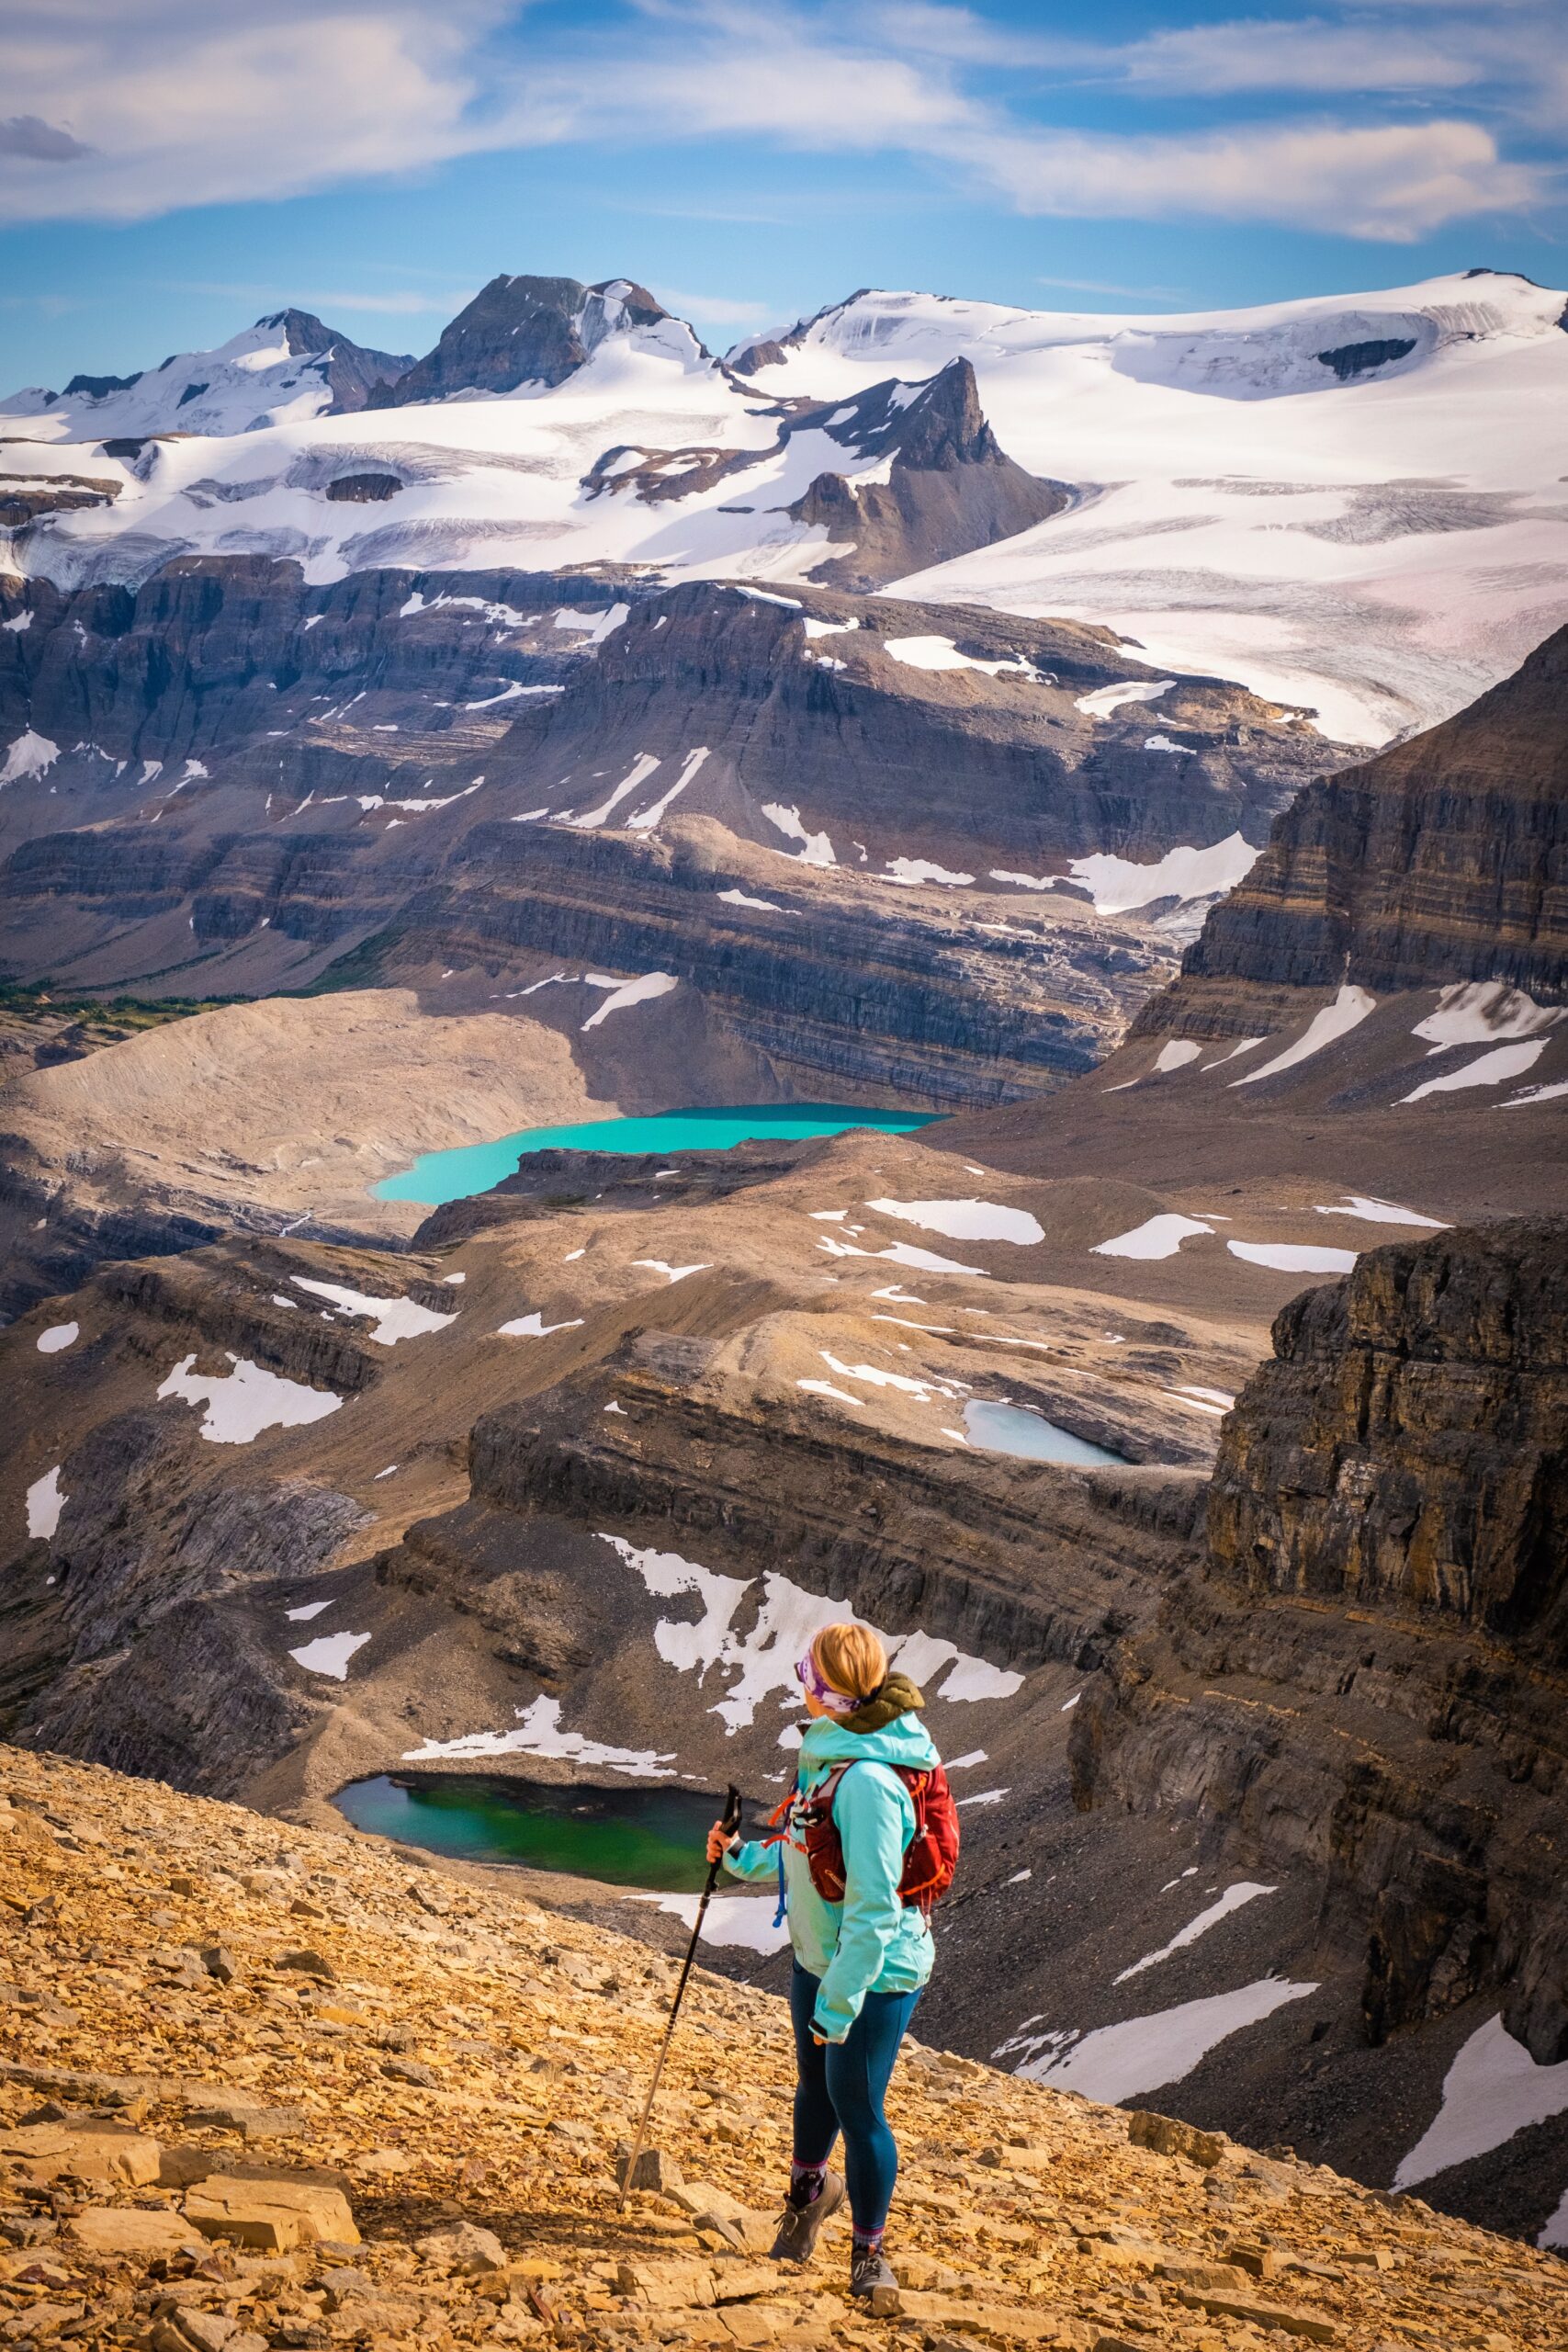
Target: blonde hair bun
{"points": [[852, 1658]]}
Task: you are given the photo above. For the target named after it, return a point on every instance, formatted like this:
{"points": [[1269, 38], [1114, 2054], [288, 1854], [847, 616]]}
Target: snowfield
{"points": [[1354, 506]]}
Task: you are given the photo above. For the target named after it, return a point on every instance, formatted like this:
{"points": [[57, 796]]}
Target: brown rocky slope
{"points": [[583, 1502], [264, 2089]]}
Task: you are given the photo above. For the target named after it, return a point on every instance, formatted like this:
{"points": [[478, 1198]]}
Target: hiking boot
{"points": [[868, 2271], [801, 2225]]}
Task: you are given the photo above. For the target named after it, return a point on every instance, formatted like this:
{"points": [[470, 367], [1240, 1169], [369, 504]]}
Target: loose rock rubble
{"points": [[205, 2145]]}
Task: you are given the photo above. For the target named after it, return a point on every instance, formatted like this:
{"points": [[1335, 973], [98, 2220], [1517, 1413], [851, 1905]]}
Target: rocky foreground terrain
{"points": [[266, 2087]]}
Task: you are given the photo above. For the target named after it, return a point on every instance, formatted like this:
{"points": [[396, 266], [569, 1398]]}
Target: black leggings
{"points": [[841, 2087]]}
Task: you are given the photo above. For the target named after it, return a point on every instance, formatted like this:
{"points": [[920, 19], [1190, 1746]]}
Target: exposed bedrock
{"points": [[885, 725], [1366, 1676], [1439, 860], [1408, 1446], [198, 655], [1020, 1569], [951, 488], [886, 1001], [143, 1633], [521, 331]]}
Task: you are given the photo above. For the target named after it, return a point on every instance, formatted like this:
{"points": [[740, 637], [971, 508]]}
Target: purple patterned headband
{"points": [[810, 1677]]}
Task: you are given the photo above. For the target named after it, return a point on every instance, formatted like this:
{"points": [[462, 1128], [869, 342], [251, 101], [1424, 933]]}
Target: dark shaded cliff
{"points": [[1443, 859], [1365, 1679], [951, 488], [1407, 1449], [521, 331]]}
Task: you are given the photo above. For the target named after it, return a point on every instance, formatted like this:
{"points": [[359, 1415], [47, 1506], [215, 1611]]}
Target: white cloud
{"points": [[129, 108], [1389, 181], [404, 302], [178, 102], [1108, 286], [719, 307], [1308, 53]]}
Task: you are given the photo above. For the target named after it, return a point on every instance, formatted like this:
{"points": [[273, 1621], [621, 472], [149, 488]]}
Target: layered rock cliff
{"points": [[1439, 860], [1365, 1677]]}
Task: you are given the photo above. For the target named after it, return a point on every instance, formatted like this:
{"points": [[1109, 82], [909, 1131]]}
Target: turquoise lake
{"points": [[640, 1838], [440, 1176]]}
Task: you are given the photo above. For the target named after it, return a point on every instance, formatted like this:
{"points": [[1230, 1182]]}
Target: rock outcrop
{"points": [[1439, 860], [1365, 1677], [335, 2100], [951, 488], [522, 331], [1407, 1449]]}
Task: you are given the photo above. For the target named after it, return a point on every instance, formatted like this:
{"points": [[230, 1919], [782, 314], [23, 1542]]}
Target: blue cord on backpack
{"points": [[778, 1914]]}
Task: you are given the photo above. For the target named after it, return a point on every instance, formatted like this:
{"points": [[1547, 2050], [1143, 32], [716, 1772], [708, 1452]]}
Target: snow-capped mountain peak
{"points": [[287, 368], [1352, 503], [536, 333]]}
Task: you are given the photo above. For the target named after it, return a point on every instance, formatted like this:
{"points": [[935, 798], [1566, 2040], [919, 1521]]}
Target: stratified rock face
{"points": [[1365, 1679], [523, 331], [1440, 860], [951, 489], [1408, 1447]]}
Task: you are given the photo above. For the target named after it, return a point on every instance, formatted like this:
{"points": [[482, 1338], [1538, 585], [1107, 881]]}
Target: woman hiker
{"points": [[872, 1824]]}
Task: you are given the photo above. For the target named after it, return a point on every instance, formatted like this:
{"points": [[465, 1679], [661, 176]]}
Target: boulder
{"points": [[272, 2214], [464, 2247], [655, 2170], [1169, 2137], [96, 2152]]}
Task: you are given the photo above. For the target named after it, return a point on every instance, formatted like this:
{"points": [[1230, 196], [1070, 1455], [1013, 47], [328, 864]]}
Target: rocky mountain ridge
{"points": [[1220, 566], [519, 330], [288, 364], [1437, 861]]}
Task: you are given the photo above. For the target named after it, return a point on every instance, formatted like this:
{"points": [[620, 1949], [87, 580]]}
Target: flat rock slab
{"points": [[1289, 2320], [106, 2153], [124, 2229], [272, 2215]]}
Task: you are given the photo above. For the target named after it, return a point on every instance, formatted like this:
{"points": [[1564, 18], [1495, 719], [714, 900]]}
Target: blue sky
{"points": [[171, 168]]}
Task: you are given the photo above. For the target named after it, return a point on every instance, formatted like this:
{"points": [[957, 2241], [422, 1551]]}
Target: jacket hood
{"points": [[905, 1740], [898, 1696]]}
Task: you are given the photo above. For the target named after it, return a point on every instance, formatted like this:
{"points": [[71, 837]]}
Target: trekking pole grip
{"points": [[730, 1822]]}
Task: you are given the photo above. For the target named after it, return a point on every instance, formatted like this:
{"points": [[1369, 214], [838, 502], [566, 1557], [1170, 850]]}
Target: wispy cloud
{"points": [[393, 302], [130, 107], [1393, 182], [1105, 285], [720, 309]]}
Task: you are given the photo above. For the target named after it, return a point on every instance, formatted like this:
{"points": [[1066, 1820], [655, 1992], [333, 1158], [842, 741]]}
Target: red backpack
{"points": [[929, 1860]]}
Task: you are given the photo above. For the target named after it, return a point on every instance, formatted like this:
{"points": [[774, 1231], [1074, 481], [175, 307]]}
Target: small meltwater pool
{"points": [[652, 1838], [437, 1177], [1020, 1431]]}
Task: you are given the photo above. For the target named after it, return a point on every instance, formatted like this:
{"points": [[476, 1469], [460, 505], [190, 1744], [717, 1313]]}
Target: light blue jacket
{"points": [[870, 1942]]}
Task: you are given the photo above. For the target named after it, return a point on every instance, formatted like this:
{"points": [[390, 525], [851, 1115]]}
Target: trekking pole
{"points": [[731, 1822]]}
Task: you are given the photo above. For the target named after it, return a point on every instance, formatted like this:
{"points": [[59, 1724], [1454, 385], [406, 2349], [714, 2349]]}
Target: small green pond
{"points": [[643, 1837], [440, 1176]]}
